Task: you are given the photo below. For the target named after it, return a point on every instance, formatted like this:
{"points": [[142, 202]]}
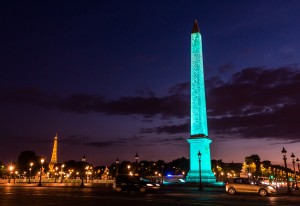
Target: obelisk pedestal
{"points": [[201, 144]]}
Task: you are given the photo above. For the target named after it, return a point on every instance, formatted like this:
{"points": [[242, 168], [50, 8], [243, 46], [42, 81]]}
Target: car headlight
{"points": [[271, 187], [149, 185]]}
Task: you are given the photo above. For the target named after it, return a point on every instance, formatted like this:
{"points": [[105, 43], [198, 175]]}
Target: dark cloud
{"points": [[172, 105], [171, 140], [213, 82], [145, 92], [255, 102], [180, 88], [89, 141], [170, 129], [81, 103], [26, 95], [225, 68], [286, 142], [101, 144], [75, 140], [254, 90]]}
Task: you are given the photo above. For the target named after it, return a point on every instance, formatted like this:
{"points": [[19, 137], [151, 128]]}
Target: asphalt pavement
{"points": [[65, 194], [165, 187]]}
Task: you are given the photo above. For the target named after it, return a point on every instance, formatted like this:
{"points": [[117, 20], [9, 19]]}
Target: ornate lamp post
{"points": [[286, 171], [16, 174], [40, 182], [61, 173], [293, 161], [136, 157], [30, 168], [297, 160], [87, 173], [162, 174], [82, 176], [298, 165], [117, 165], [11, 168], [200, 178], [55, 174]]}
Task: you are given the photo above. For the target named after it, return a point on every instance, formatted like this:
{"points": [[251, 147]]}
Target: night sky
{"points": [[112, 78]]}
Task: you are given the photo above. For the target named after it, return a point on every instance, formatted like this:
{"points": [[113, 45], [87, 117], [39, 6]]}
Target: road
{"points": [[28, 195]]}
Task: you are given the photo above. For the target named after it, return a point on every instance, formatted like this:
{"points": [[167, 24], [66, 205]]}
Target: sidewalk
{"points": [[219, 189], [45, 184], [283, 191], [167, 187], [280, 191]]}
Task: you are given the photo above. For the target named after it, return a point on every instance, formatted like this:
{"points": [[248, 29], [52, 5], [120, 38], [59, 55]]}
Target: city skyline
{"points": [[113, 78]]}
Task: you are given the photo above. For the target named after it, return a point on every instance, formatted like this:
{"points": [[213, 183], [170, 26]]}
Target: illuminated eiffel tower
{"points": [[54, 154]]}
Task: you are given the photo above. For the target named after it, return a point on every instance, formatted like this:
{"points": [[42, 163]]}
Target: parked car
{"points": [[245, 185], [130, 183]]}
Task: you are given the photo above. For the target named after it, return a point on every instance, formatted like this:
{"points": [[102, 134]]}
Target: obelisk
{"points": [[199, 140]]}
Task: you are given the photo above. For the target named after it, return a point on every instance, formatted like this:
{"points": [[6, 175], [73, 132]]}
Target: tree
{"points": [[235, 167], [82, 169], [178, 166], [24, 160], [254, 159], [218, 167], [2, 170]]}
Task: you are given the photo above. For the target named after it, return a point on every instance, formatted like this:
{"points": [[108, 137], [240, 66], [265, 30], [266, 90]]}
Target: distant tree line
{"points": [[252, 167], [29, 164]]}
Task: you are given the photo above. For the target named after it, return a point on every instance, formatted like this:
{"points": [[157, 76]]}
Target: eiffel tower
{"points": [[54, 154]]}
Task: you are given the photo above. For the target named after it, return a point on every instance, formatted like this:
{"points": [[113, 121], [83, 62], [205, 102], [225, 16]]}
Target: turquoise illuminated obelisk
{"points": [[198, 140]]}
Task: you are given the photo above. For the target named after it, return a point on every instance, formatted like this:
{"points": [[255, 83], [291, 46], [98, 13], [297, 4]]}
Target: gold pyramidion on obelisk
{"points": [[54, 154]]}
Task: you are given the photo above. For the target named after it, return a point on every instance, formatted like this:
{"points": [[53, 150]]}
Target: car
{"points": [[134, 183], [246, 185]]}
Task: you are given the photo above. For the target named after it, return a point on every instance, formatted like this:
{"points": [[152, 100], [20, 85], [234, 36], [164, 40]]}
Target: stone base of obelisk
{"points": [[202, 145], [207, 177]]}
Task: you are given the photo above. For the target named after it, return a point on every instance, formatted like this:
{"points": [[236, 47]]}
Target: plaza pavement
{"points": [[165, 187]]}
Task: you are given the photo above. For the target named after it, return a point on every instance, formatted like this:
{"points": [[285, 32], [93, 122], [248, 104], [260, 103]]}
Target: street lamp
{"points": [[200, 180], [117, 164], [162, 174], [286, 171], [11, 168], [91, 172], [55, 174], [81, 176], [16, 174], [61, 173], [293, 161], [87, 173], [30, 168], [136, 157], [297, 160], [40, 182]]}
